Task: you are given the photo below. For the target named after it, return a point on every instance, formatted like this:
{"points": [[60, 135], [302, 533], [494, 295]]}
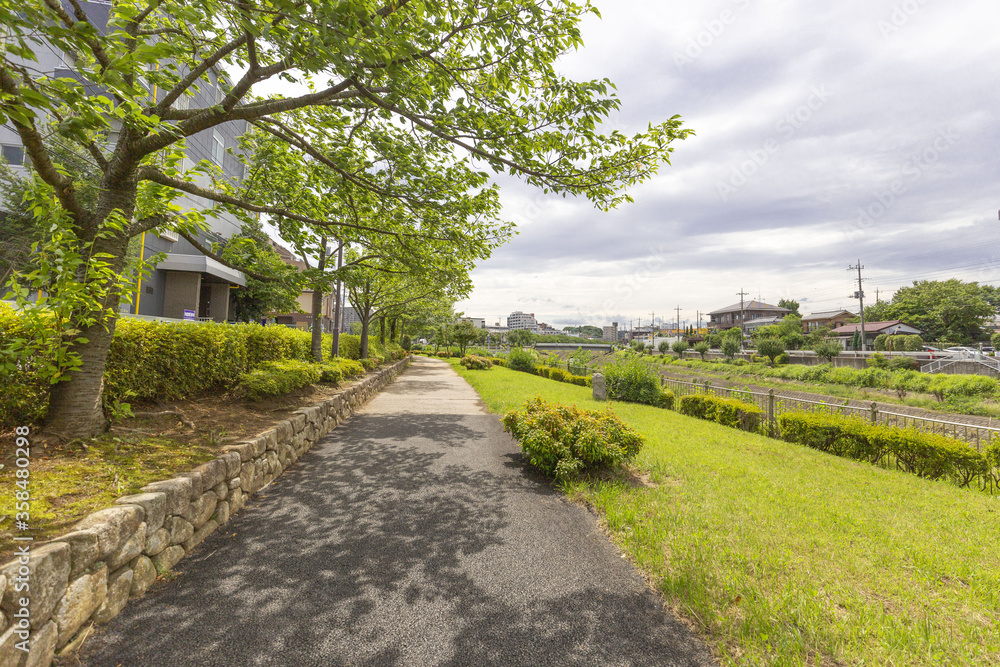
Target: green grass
{"points": [[68, 488], [787, 556]]}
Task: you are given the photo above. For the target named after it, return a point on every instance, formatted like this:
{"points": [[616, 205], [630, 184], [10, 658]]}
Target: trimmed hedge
{"points": [[158, 360], [562, 441], [726, 411], [928, 455], [275, 378], [335, 370]]}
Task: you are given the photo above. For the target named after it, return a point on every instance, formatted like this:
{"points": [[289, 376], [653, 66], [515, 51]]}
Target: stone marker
{"points": [[600, 390]]}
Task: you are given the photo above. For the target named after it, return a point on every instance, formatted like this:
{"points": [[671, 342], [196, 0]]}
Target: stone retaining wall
{"points": [[87, 576]]}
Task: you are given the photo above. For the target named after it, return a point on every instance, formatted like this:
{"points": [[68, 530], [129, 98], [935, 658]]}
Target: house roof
{"points": [[828, 315], [750, 305], [872, 327]]}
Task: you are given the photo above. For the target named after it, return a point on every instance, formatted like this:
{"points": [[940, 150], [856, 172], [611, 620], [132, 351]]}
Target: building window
{"points": [[218, 147], [13, 155]]}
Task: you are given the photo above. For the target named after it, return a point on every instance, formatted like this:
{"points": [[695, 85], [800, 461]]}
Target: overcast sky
{"points": [[826, 133]]}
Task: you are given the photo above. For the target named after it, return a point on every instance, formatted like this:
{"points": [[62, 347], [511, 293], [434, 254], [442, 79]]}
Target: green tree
{"points": [[790, 305], [520, 338], [827, 350], [463, 333], [468, 80], [679, 348], [730, 346], [770, 348], [664, 346], [250, 248], [702, 349], [943, 309]]}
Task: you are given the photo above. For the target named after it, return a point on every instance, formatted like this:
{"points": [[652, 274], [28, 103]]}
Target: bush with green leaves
{"points": [[828, 349], [730, 347], [335, 370], [679, 347], [664, 346], [726, 411], [702, 349], [522, 360], [476, 363], [275, 378], [770, 348], [633, 380], [929, 455], [563, 441]]}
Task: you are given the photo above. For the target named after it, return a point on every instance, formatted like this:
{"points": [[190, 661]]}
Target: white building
{"points": [[610, 333], [477, 322], [519, 320]]}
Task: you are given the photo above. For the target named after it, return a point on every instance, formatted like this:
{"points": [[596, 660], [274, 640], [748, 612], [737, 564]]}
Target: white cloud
{"points": [[792, 228]]}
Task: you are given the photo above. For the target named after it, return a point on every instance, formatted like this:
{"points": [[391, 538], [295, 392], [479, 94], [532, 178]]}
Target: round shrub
{"points": [[561, 441]]}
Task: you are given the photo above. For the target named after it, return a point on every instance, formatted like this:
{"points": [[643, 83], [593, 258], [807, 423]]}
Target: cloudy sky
{"points": [[826, 133]]}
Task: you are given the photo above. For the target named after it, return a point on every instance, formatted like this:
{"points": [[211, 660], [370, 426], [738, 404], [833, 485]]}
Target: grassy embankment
{"points": [[783, 555]]}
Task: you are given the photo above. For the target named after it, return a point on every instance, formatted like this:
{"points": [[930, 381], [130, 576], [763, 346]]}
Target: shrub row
{"points": [[562, 441], [726, 411], [943, 386], [157, 360], [562, 376], [928, 455]]}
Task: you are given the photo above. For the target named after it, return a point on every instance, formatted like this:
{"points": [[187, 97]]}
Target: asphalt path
{"points": [[412, 534]]}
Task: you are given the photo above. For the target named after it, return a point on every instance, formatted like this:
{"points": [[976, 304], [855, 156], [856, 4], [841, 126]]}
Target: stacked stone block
{"points": [[88, 575]]}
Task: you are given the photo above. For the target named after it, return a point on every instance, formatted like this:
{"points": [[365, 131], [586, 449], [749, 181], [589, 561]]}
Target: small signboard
{"points": [[189, 315]]}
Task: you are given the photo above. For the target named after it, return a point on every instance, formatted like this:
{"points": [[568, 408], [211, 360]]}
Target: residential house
{"points": [[845, 334], [742, 315], [827, 318]]}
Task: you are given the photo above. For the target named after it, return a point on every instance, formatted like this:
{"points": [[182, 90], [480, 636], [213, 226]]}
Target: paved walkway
{"points": [[411, 535]]}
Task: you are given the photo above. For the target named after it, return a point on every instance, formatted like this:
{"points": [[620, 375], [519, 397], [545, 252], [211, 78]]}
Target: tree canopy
{"points": [[414, 103], [944, 310]]}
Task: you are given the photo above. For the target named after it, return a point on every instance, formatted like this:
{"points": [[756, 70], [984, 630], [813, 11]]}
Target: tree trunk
{"points": [[317, 325], [381, 331], [392, 330], [364, 337], [75, 407]]}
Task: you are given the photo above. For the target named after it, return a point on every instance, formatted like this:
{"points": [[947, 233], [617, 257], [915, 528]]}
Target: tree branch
{"points": [[218, 258]]}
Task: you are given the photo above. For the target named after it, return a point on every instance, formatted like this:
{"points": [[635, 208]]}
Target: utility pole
{"points": [[877, 299], [678, 309], [742, 317], [698, 317], [860, 296]]}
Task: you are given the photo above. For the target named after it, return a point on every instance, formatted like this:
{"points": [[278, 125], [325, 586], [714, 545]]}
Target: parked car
{"points": [[961, 351], [986, 349]]}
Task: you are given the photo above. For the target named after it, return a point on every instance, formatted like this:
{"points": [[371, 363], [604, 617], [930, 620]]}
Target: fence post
{"points": [[770, 412], [708, 383], [874, 411]]}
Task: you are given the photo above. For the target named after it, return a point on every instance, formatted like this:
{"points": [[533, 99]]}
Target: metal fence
{"points": [[775, 404]]}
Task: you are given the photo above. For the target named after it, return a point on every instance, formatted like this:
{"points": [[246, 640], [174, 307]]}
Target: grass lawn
{"points": [[787, 556]]}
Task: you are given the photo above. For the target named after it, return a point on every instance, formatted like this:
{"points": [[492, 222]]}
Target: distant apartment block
{"points": [[610, 333], [519, 320], [477, 322]]}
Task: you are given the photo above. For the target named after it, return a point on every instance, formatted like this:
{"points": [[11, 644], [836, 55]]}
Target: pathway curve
{"points": [[411, 535]]}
